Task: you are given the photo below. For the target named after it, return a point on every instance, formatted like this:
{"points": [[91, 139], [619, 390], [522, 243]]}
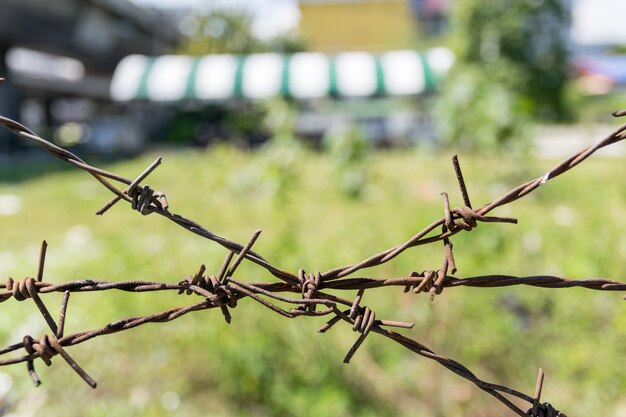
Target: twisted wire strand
{"points": [[481, 281], [515, 194], [223, 291], [374, 260], [134, 199], [362, 319]]}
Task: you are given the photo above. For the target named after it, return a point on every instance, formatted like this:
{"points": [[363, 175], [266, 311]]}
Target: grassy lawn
{"points": [[265, 365]]}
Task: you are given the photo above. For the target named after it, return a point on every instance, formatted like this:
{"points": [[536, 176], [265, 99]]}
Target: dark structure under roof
{"points": [[91, 35], [97, 32]]}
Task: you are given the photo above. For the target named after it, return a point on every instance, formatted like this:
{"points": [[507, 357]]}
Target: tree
{"points": [[230, 32], [226, 32], [511, 69], [219, 32]]}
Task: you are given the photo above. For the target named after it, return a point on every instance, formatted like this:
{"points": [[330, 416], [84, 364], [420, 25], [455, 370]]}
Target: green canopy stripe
{"points": [[238, 90], [380, 77], [142, 88], [430, 79], [191, 80], [333, 89], [284, 77]]}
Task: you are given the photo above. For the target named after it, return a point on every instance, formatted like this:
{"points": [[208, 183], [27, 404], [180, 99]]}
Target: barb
{"points": [[224, 291], [461, 180], [421, 238], [133, 192], [538, 388], [146, 201]]}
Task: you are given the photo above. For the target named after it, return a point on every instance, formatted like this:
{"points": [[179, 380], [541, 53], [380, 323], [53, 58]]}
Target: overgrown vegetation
{"points": [[511, 70]]}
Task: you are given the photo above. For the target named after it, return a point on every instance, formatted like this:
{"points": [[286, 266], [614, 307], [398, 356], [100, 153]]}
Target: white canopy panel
{"points": [[304, 76]]}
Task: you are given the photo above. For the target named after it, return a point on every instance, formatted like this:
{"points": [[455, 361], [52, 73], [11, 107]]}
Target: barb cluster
{"points": [[308, 293]]}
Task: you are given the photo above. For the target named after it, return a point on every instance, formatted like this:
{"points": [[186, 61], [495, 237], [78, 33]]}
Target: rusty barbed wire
{"points": [[224, 291]]}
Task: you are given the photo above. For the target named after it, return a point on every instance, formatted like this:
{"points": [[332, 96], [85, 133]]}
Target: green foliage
{"points": [[266, 365], [220, 32], [511, 69], [593, 108], [227, 32], [479, 113], [282, 151], [230, 32], [349, 150]]}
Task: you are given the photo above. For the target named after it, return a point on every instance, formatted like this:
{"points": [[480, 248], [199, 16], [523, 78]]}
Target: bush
{"points": [[511, 69]]}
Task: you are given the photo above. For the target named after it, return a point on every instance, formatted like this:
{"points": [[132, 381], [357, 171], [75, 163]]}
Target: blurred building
{"points": [[431, 15], [598, 24], [367, 25], [58, 56], [598, 40]]}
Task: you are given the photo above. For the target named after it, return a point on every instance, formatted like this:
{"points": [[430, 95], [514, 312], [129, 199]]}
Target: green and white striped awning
{"points": [[306, 75]]}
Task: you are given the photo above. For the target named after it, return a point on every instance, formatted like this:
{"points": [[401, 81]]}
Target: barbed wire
{"points": [[224, 291]]}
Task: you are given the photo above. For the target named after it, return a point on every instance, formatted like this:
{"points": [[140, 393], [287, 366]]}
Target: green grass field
{"points": [[266, 365]]}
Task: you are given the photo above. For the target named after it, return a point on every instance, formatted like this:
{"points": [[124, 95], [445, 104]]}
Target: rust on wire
{"points": [[538, 388], [42, 260], [461, 180], [223, 291]]}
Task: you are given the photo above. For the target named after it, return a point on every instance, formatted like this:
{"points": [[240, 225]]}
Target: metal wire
{"points": [[224, 291]]}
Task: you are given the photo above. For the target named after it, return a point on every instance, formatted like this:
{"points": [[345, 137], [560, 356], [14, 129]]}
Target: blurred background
{"points": [[329, 124]]}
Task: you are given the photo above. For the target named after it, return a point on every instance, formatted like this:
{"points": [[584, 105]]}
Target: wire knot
{"points": [[545, 410], [364, 320], [428, 278], [309, 284], [45, 347], [142, 197], [212, 285], [223, 291], [21, 290], [467, 219]]}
